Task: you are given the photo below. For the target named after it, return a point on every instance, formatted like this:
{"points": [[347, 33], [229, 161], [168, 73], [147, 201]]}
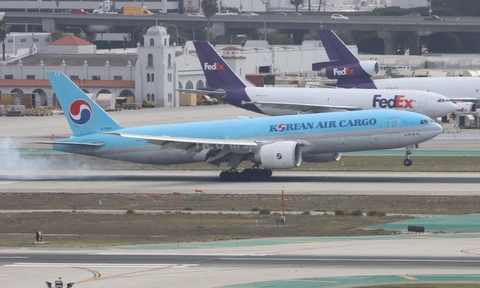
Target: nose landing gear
{"points": [[408, 152]]}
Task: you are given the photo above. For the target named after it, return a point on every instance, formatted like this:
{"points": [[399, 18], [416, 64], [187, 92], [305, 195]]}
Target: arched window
{"points": [[152, 42], [180, 86], [153, 97], [150, 60], [169, 60], [153, 78], [148, 77], [189, 85], [200, 84], [148, 97], [165, 42]]}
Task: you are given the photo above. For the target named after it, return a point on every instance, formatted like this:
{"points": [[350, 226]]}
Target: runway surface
{"points": [[220, 264], [244, 261], [301, 182]]}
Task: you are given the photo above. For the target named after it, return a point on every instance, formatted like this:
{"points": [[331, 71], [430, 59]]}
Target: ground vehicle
{"points": [[338, 17], [136, 10], [281, 14], [106, 7], [412, 15], [434, 18], [79, 11], [205, 100], [226, 13], [195, 15], [249, 14], [296, 14]]}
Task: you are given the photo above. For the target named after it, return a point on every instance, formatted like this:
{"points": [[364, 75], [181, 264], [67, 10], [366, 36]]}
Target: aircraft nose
{"points": [[437, 129]]}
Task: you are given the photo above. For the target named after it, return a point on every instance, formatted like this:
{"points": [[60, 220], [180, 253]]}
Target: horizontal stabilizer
{"points": [[79, 144], [219, 93], [320, 65]]}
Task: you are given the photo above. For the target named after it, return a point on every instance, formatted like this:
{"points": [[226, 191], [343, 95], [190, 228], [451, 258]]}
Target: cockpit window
{"points": [[426, 121]]}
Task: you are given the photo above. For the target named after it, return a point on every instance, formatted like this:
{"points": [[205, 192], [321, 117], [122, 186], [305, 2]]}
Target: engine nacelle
{"points": [[362, 69], [465, 107], [322, 158], [279, 155]]}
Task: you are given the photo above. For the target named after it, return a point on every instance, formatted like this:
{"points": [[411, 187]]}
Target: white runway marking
{"points": [[98, 265]]}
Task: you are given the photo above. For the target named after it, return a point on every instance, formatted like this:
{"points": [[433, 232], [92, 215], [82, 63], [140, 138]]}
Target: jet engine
{"points": [[465, 107], [362, 69], [322, 158], [281, 155]]}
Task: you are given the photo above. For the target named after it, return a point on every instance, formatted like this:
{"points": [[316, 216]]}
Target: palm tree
{"points": [[296, 3], [4, 30], [209, 8]]}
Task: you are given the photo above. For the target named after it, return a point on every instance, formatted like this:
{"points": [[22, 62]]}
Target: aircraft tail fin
{"points": [[83, 115], [337, 51], [217, 72]]}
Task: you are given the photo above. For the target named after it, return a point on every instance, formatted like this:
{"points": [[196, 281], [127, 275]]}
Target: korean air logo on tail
{"points": [[80, 112], [215, 66]]}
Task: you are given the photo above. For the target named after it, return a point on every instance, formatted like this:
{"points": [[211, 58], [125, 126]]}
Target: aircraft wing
{"points": [[194, 144], [307, 108], [466, 99]]}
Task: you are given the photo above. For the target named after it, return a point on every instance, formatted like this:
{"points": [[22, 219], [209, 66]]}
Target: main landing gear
{"points": [[245, 175]]}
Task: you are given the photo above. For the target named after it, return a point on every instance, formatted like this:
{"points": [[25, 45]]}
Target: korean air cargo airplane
{"points": [[224, 84], [350, 72], [280, 142]]}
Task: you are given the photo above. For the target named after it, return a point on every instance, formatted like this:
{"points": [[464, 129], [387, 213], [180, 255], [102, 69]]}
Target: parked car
{"points": [[195, 15], [339, 17], [412, 15], [281, 14], [434, 18], [296, 14], [249, 14], [226, 13], [79, 11]]}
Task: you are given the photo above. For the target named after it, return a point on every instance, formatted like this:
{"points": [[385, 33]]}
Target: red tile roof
{"points": [[70, 40], [17, 83]]}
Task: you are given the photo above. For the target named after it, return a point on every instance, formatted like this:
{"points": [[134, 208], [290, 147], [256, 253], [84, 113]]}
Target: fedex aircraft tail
{"points": [[344, 66], [83, 115], [217, 72]]}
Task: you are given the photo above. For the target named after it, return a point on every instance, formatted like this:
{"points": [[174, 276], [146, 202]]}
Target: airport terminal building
{"points": [[152, 71]]}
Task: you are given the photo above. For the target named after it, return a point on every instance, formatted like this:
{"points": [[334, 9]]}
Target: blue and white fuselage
{"points": [[273, 142]]}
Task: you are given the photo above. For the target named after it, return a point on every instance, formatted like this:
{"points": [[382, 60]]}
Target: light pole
{"points": [[82, 33], [264, 29], [176, 29], [430, 8], [133, 37]]}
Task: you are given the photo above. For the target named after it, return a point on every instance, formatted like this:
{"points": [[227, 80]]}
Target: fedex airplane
{"points": [[280, 142], [224, 84], [350, 72]]}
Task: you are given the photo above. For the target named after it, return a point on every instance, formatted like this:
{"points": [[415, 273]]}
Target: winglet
{"points": [[83, 115]]}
